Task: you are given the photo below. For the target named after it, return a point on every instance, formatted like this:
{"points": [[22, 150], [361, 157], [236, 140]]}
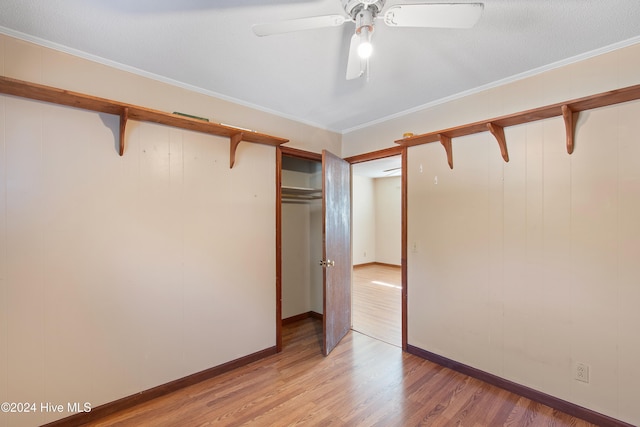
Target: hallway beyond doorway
{"points": [[377, 302]]}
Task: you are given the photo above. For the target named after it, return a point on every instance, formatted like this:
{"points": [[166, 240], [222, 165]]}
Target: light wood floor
{"points": [[363, 382], [377, 302]]}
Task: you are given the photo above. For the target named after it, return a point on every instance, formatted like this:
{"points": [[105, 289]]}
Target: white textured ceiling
{"points": [[379, 168], [208, 44]]}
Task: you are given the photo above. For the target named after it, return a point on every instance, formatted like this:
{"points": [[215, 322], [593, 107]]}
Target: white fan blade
{"points": [[435, 15], [298, 25], [355, 64]]}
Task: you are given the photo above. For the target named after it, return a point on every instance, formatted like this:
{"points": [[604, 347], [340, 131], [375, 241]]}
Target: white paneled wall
{"points": [[123, 273], [628, 271], [526, 268]]}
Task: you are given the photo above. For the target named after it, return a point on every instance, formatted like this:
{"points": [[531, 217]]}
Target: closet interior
{"points": [[302, 291]]}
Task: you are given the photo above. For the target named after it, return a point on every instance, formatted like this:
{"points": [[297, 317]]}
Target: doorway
{"points": [[379, 245]]}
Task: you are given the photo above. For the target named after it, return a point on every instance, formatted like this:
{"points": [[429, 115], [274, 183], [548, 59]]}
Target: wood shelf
{"points": [[300, 193], [568, 110], [127, 112]]}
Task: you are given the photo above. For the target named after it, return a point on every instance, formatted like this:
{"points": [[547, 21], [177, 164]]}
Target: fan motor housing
{"points": [[352, 7]]}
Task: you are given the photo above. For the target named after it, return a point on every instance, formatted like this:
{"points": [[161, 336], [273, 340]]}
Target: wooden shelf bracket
{"points": [[569, 110], [124, 116], [128, 112], [446, 143], [570, 119], [498, 133], [235, 140]]}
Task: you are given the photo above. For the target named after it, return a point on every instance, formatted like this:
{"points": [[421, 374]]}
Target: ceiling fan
{"points": [[364, 12]]}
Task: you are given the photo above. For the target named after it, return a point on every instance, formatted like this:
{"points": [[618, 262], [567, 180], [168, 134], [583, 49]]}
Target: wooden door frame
{"points": [[381, 154], [301, 154]]}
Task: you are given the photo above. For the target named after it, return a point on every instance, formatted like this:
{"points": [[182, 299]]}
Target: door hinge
{"points": [[328, 263]]}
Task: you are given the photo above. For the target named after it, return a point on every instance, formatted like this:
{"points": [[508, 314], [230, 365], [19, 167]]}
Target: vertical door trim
{"points": [[278, 249], [403, 214]]}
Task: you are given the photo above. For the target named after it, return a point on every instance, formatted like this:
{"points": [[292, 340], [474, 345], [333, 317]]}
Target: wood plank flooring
{"points": [[363, 382], [377, 302]]}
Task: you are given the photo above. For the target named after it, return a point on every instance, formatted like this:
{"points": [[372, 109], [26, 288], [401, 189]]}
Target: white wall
{"points": [[296, 259], [388, 220], [364, 220], [527, 267], [317, 272], [301, 249], [118, 274], [377, 220]]}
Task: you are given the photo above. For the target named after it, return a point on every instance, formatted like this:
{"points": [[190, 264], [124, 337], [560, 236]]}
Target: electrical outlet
{"points": [[581, 372], [414, 247]]}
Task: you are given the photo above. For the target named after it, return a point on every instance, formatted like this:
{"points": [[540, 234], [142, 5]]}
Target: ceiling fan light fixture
{"points": [[421, 14], [365, 48]]}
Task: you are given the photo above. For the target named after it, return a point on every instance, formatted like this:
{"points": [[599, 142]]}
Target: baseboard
{"points": [[546, 399], [366, 264], [301, 316], [161, 390], [369, 264], [316, 315]]}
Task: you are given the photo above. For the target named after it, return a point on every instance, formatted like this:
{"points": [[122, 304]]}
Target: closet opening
{"points": [[300, 219]]}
